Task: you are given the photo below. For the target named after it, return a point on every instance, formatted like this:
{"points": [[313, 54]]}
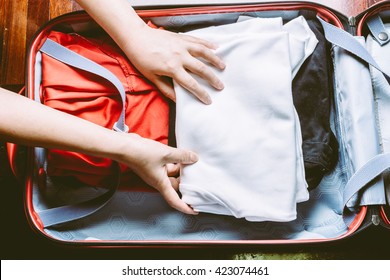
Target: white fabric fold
{"points": [[248, 140]]}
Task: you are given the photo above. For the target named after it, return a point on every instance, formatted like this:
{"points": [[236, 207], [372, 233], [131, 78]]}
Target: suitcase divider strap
{"points": [[378, 30], [375, 167], [72, 212], [73, 59], [64, 214], [346, 41]]}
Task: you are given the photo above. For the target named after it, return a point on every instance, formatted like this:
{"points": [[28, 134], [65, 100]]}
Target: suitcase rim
{"points": [[323, 11]]}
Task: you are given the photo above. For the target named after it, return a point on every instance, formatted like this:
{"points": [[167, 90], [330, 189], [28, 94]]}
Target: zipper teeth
{"points": [[352, 25], [352, 21]]}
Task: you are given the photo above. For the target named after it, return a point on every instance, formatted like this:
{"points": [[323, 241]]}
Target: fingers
{"points": [[197, 40], [164, 84], [197, 49], [175, 182], [186, 81], [173, 199], [172, 169], [180, 156], [199, 68], [207, 54], [189, 83], [200, 49]]}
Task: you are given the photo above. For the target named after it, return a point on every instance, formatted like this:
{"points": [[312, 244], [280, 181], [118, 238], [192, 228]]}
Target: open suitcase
{"points": [[349, 198]]}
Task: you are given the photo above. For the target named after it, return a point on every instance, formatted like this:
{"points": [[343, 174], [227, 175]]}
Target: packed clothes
{"points": [[87, 96], [312, 90], [249, 139], [263, 141]]}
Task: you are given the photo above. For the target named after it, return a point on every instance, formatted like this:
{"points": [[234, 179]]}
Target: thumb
{"points": [[181, 156]]}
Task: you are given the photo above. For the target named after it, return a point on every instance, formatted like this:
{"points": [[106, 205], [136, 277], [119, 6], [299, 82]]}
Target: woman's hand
{"points": [[159, 54], [157, 164], [27, 122]]}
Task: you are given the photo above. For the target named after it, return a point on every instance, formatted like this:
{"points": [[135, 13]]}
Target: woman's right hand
{"points": [[157, 164]]}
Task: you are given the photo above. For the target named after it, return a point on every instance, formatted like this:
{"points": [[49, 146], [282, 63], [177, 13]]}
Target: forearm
{"points": [[27, 122], [118, 18], [158, 53]]}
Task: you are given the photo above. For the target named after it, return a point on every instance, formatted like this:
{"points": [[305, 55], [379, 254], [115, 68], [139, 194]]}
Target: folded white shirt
{"points": [[249, 139]]}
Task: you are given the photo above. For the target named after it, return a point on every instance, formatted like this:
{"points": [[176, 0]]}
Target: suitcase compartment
{"points": [[380, 51], [143, 218]]}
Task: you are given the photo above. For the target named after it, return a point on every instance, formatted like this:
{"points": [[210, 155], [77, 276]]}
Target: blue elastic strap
{"points": [[362, 177], [72, 212], [64, 214], [73, 59], [378, 30], [346, 41]]}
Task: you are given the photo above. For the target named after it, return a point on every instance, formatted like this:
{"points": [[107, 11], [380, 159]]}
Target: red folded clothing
{"points": [[90, 97]]}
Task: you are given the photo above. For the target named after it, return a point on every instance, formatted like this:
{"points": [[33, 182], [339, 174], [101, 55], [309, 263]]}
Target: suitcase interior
{"points": [[144, 217], [362, 30]]}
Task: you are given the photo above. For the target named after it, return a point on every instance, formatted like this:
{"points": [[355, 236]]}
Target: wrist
{"points": [[122, 148], [131, 43]]}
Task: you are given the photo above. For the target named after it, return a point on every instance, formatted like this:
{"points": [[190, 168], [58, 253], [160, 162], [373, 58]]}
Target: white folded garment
{"points": [[249, 139]]}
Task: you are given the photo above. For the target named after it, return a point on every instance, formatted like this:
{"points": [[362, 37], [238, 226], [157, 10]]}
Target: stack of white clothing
{"points": [[249, 139]]}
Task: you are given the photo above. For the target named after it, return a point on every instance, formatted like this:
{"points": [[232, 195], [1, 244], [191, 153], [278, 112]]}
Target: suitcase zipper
{"points": [[375, 219], [352, 25]]}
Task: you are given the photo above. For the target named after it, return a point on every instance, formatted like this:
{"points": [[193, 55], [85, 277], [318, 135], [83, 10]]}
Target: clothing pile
{"points": [[88, 96], [265, 138], [249, 139]]}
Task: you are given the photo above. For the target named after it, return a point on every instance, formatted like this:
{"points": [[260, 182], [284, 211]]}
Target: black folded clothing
{"points": [[312, 96]]}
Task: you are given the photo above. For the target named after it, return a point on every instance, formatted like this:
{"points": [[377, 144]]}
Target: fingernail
{"points": [[219, 85], [193, 211], [194, 157], [222, 65], [214, 46], [207, 100]]}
